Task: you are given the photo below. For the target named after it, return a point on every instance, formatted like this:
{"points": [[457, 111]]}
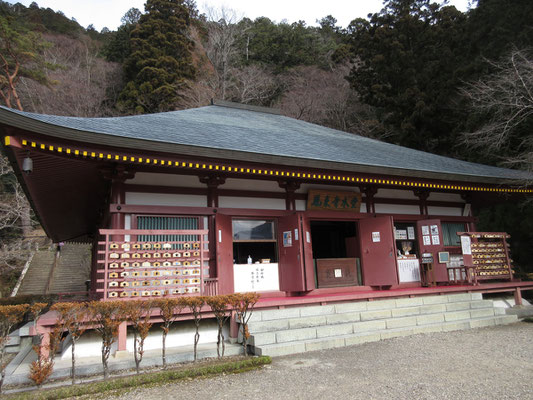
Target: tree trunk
{"points": [[196, 339], [135, 353], [25, 221], [223, 344], [164, 352], [2, 355], [104, 362], [218, 341], [244, 339], [73, 372], [2, 375]]}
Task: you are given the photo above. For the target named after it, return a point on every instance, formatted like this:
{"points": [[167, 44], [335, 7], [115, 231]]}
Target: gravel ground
{"points": [[487, 363]]}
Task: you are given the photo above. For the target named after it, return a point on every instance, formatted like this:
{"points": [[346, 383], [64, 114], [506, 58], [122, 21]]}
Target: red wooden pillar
{"points": [[518, 296], [290, 188], [212, 182], [117, 177], [370, 192], [122, 336], [233, 326], [45, 345], [116, 189], [422, 195]]}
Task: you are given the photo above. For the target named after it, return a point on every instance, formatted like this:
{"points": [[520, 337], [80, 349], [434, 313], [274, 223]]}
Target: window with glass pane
{"points": [[250, 229], [449, 233], [168, 223], [255, 239]]}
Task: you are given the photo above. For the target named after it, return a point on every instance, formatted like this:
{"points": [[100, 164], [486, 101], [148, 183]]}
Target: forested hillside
{"points": [[418, 73]]}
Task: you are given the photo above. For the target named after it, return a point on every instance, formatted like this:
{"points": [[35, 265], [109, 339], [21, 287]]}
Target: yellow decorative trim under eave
{"points": [[250, 171]]}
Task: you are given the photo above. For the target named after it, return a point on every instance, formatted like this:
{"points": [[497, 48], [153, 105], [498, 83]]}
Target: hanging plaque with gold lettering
{"points": [[333, 201]]}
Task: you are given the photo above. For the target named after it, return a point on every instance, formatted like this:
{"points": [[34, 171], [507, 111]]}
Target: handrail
{"points": [[154, 231], [52, 270], [22, 275]]}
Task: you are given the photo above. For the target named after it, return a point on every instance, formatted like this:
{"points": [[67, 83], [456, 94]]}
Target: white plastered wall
{"points": [[251, 184], [438, 196], [251, 202], [451, 211], [396, 194], [397, 209], [181, 334], [164, 199], [152, 179]]}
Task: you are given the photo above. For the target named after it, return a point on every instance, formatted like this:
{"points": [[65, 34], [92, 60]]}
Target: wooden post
{"points": [[370, 192], [233, 327], [117, 177], [213, 182], [45, 345], [122, 336], [518, 296], [422, 195], [290, 187]]}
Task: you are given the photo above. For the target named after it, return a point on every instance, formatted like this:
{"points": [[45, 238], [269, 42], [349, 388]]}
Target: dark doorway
{"points": [[335, 253], [332, 239]]}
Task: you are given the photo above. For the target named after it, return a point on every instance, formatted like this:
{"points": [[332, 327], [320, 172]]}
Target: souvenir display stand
{"points": [[488, 254], [135, 269]]}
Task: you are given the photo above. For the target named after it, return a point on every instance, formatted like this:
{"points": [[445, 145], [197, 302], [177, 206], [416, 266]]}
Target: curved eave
{"points": [[67, 195], [18, 121]]}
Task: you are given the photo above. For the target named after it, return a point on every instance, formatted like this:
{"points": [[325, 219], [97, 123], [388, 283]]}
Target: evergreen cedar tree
{"points": [[161, 62], [407, 56], [413, 56]]}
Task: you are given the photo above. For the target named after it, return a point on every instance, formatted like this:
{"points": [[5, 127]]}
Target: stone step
{"points": [[360, 306], [383, 321], [343, 313], [342, 340], [36, 277], [72, 270]]}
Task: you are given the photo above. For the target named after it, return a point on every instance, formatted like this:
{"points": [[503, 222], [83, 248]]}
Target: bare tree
{"points": [[15, 221], [504, 99], [86, 84], [223, 31], [325, 98], [199, 92], [252, 84]]}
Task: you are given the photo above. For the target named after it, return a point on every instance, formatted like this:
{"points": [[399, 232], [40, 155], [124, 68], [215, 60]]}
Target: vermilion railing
{"points": [[135, 263]]}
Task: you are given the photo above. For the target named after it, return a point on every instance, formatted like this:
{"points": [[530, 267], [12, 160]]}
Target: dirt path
{"points": [[488, 363]]}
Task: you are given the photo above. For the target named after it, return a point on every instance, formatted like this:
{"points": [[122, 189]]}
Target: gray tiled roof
{"points": [[251, 135]]}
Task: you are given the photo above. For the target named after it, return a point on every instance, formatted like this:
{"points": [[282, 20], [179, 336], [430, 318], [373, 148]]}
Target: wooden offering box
{"points": [[488, 253], [333, 272]]}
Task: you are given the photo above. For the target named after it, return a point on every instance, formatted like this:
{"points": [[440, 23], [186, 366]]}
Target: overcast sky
{"points": [[108, 13]]}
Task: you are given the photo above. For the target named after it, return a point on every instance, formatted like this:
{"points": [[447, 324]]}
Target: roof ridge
{"points": [[247, 107]]}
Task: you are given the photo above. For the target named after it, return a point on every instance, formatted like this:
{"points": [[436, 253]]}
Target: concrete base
{"points": [[300, 329], [17, 371], [520, 311]]}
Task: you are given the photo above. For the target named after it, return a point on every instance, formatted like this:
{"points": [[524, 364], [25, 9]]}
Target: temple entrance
{"points": [[336, 254]]}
